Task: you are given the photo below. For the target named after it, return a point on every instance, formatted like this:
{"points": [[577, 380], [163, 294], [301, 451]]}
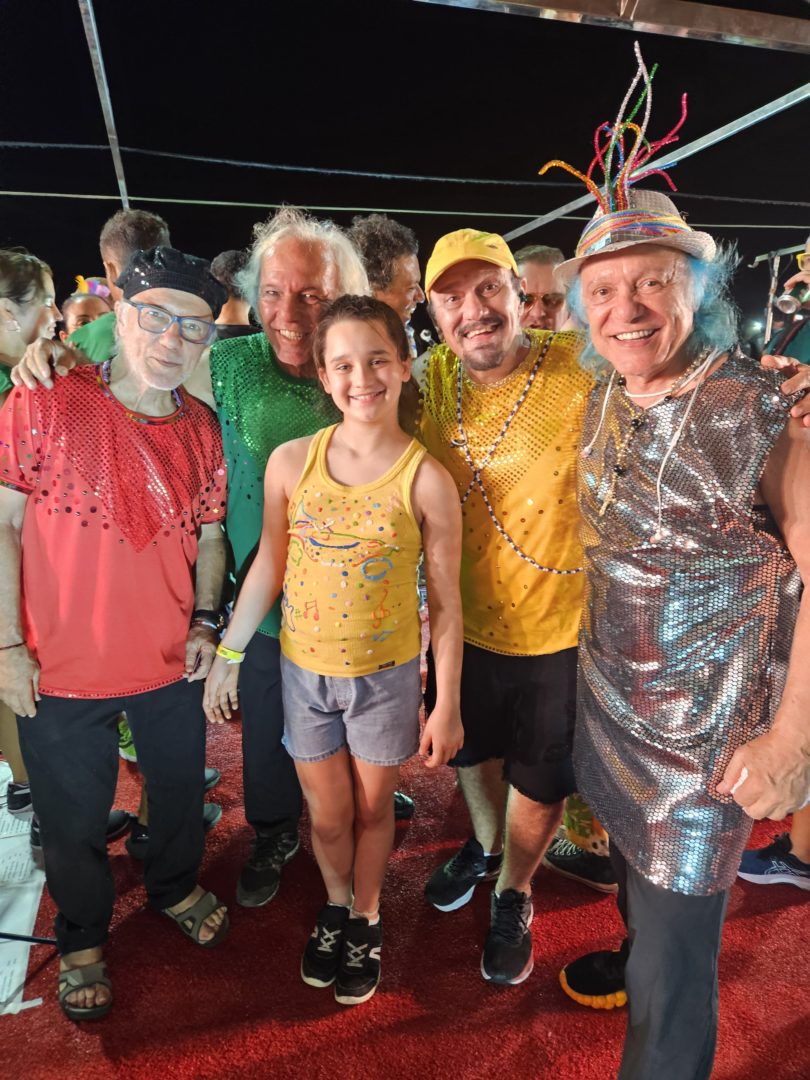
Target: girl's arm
{"points": [[435, 500], [263, 582]]}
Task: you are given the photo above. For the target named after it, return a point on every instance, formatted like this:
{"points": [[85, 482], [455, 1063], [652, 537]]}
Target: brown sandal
{"points": [[191, 920], [79, 978]]}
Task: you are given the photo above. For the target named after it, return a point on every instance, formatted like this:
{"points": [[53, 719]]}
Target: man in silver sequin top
{"points": [[691, 715]]}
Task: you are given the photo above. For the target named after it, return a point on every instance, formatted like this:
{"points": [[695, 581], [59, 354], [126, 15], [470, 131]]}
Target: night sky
{"points": [[392, 86]]}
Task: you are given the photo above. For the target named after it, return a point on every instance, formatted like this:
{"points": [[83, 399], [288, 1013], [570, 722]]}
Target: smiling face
{"points": [[362, 370], [404, 291], [296, 282], [477, 309], [639, 306], [38, 316], [160, 361]]}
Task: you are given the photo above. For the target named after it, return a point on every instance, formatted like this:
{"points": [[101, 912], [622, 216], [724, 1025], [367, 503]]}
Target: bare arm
{"points": [[19, 672], [210, 573], [776, 779], [263, 582], [435, 502]]}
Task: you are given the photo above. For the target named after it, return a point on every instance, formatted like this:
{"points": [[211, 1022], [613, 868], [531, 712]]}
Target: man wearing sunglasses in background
{"points": [[544, 306], [112, 488]]}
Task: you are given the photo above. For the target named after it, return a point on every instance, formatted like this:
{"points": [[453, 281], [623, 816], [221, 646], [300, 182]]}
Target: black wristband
{"points": [[206, 617]]}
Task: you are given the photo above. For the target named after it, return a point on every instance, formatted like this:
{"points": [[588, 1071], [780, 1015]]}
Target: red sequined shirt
{"points": [[110, 532]]}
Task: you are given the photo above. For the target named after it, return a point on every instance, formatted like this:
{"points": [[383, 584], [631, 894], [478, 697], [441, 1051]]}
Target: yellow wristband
{"points": [[230, 655]]}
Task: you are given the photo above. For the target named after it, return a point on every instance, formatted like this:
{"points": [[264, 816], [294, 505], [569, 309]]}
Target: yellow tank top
{"points": [[350, 603], [517, 482]]}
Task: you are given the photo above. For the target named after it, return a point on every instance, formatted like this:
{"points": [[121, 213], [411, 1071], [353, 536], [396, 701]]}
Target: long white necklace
{"points": [[476, 482]]}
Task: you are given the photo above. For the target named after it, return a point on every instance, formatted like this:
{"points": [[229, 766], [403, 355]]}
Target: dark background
{"points": [[391, 86]]}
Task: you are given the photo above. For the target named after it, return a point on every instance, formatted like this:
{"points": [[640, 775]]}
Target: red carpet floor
{"points": [[242, 1011]]}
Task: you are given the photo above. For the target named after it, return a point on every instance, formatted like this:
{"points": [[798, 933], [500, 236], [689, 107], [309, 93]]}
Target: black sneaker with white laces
{"points": [[321, 958], [18, 797], [507, 957], [261, 875], [595, 871], [451, 885], [359, 972]]}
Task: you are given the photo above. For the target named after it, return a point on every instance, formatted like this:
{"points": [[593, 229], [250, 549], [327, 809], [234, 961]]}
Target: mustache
{"points": [[492, 323]]}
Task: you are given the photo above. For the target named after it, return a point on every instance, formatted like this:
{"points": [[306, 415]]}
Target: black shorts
{"points": [[521, 709]]}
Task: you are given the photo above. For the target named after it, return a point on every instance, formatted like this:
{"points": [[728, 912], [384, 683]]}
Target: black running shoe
{"points": [[261, 875], [507, 958], [597, 979], [451, 885], [403, 806], [321, 958], [595, 871], [359, 972], [18, 797]]}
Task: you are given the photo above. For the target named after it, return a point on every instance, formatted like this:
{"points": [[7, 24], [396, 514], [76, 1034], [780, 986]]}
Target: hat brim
{"points": [[699, 245], [431, 282]]}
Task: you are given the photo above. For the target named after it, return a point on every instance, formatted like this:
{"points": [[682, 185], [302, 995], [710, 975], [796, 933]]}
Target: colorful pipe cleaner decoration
{"points": [[620, 166], [92, 286]]}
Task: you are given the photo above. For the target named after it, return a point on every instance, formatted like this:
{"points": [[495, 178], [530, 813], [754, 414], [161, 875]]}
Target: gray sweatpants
{"points": [[671, 977]]}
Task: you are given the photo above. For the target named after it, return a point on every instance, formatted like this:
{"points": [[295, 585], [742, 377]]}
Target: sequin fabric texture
{"points": [[529, 478], [350, 603], [685, 640], [115, 502], [259, 407]]}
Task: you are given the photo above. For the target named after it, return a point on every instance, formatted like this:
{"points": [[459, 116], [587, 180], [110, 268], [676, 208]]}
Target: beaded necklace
{"points": [[104, 383], [476, 482], [699, 367]]}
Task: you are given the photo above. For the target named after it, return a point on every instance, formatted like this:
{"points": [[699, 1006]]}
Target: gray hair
{"points": [[291, 222], [540, 254]]}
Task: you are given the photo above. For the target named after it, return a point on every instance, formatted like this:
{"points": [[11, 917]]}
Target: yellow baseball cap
{"points": [[463, 244]]}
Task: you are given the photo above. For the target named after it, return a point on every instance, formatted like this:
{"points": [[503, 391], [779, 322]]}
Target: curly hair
{"points": [[381, 241], [291, 222], [226, 266]]}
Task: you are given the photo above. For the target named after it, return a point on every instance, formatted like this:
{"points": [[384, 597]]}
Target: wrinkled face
{"points": [[639, 306], [362, 370], [84, 311], [545, 307], [477, 310], [404, 291], [161, 361], [296, 282], [38, 316]]}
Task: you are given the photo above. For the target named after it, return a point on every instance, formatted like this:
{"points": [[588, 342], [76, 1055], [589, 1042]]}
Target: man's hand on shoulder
{"points": [[42, 359]]}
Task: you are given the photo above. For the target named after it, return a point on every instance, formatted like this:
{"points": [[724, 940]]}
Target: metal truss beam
{"points": [[677, 18]]}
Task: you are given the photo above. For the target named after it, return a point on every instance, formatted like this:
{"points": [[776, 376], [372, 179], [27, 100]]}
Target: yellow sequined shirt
{"points": [[350, 602], [528, 477]]}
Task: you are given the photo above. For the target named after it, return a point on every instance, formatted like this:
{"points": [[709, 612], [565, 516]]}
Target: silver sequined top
{"points": [[685, 638]]}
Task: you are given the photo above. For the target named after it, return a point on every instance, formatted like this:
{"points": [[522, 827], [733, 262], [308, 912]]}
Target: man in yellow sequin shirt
{"points": [[503, 412]]}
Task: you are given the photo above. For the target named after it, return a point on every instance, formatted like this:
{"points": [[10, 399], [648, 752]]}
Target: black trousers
{"points": [[272, 792], [670, 977], [70, 749]]}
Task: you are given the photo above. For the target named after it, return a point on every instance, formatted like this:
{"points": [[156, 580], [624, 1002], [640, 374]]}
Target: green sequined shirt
{"points": [[259, 407]]}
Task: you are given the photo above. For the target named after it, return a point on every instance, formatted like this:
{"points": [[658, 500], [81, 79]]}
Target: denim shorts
{"points": [[376, 716]]}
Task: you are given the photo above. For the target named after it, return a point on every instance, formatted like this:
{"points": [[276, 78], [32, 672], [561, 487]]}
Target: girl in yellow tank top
{"points": [[347, 515]]}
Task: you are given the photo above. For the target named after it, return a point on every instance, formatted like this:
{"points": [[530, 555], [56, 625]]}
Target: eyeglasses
{"points": [[549, 300], [803, 259], [157, 321]]}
